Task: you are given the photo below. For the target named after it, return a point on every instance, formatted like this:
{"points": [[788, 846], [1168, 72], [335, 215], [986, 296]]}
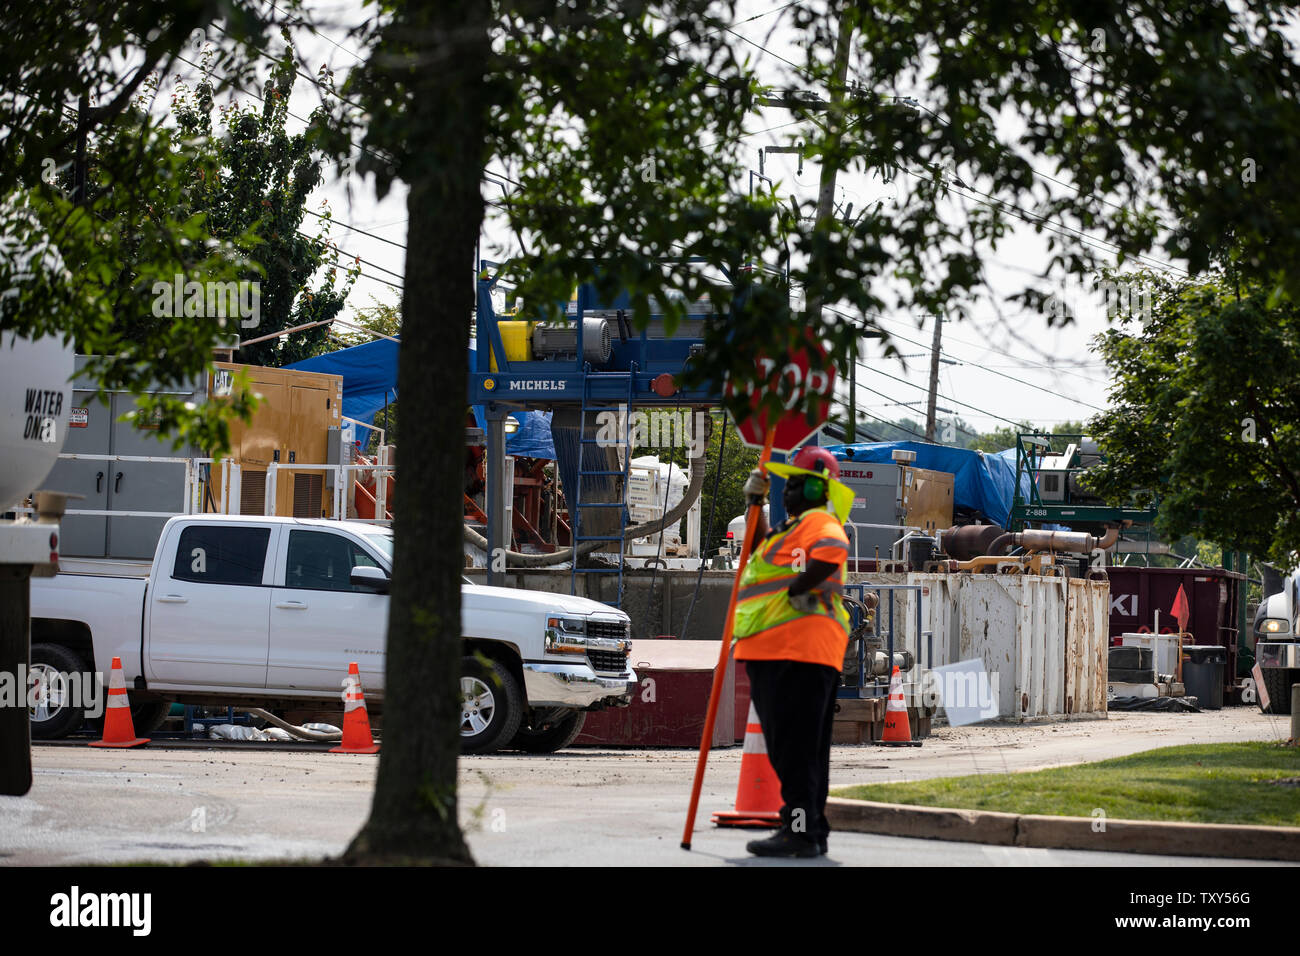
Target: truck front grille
{"points": [[606, 630], [614, 662]]}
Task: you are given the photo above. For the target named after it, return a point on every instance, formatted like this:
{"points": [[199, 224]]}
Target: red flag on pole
{"points": [[1181, 611]]}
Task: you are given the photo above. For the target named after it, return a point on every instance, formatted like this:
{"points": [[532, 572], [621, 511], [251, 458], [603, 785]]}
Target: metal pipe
{"points": [[301, 732], [1036, 539], [518, 559]]}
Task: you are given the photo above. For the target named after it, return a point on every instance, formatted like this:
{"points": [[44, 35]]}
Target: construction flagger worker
{"points": [[791, 630]]}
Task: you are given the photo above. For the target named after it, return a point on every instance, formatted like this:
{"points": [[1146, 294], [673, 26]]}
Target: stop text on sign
{"points": [[802, 381]]}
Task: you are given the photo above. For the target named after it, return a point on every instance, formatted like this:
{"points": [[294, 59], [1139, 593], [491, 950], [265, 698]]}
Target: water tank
{"points": [[35, 401]]}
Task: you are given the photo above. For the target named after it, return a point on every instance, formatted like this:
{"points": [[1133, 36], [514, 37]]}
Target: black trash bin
{"points": [[1203, 670]]}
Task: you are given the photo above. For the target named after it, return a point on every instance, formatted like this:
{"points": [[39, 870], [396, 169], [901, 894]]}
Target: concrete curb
{"points": [[1066, 833]]}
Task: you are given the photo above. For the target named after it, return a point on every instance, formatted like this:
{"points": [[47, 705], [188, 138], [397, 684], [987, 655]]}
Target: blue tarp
{"points": [[983, 482], [370, 377], [533, 437]]}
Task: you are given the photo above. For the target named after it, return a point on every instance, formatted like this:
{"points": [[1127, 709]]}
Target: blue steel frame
{"points": [[543, 383], [877, 688]]}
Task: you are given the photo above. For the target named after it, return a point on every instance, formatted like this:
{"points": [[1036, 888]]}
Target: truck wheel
{"points": [[55, 714], [149, 716], [551, 731], [1278, 681], [491, 705]]}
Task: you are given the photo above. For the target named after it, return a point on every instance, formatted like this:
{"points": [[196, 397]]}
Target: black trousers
{"points": [[795, 702]]}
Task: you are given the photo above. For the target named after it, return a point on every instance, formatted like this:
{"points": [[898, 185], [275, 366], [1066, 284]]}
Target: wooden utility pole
{"points": [[934, 378]]}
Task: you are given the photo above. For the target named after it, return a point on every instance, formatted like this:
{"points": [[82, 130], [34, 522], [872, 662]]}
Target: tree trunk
{"points": [[15, 649], [414, 814]]}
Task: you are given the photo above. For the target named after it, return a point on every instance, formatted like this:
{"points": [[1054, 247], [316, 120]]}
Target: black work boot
{"points": [[784, 843]]}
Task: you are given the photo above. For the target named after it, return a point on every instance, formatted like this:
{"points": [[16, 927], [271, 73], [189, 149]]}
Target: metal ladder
{"points": [[583, 474]]}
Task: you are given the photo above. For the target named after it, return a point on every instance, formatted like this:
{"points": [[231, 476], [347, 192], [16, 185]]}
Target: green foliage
{"points": [[1206, 412], [104, 258], [1004, 437], [83, 263], [106, 51], [252, 179]]}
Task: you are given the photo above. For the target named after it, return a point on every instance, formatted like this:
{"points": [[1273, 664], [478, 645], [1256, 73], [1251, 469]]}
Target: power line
{"points": [[353, 228], [946, 398], [991, 371], [1019, 362], [739, 23], [299, 21], [1034, 219], [885, 420]]}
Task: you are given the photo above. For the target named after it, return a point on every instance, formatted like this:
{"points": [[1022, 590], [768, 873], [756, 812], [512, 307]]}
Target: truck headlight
{"points": [[1273, 625], [566, 635]]}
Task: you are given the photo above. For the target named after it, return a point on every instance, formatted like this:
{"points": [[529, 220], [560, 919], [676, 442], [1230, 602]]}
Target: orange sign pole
{"points": [[720, 672]]}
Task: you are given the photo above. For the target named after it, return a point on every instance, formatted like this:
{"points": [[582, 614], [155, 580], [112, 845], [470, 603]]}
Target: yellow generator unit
{"points": [[517, 337], [295, 414]]}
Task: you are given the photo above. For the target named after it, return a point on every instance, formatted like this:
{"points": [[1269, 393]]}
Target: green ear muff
{"points": [[814, 489]]}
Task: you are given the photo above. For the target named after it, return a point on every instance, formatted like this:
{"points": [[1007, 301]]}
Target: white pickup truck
{"points": [[269, 611]]}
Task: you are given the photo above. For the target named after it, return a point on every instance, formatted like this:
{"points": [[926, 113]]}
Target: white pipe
{"points": [[294, 729]]}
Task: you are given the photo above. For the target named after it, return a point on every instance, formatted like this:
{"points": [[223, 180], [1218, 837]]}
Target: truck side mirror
{"points": [[373, 579]]}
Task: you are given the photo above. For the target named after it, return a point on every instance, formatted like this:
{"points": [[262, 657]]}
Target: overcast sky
{"points": [[1003, 363]]}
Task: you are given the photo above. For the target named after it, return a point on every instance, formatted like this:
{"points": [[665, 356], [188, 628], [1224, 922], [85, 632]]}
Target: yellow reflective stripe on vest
{"points": [[763, 601]]}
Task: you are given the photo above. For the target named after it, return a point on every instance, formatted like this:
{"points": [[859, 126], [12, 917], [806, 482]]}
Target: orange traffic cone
{"points": [[356, 721], [898, 731], [119, 731], [758, 795]]}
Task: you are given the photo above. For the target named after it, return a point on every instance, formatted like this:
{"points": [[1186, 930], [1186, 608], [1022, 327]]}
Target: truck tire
{"points": [[556, 730], [491, 705], [56, 716], [148, 716], [1278, 681]]}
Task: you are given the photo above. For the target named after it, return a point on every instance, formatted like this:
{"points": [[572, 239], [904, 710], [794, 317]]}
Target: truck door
{"points": [[319, 621], [208, 606]]}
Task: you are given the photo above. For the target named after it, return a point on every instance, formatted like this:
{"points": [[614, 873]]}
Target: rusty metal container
{"points": [[1042, 640]]}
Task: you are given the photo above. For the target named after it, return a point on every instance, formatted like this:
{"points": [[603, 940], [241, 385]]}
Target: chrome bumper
{"points": [[575, 685], [1279, 654]]}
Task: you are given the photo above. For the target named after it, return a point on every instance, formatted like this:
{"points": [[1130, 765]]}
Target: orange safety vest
{"points": [[766, 626]]}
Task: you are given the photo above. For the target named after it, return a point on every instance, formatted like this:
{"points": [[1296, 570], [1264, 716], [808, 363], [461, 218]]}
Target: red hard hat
{"points": [[816, 458]]}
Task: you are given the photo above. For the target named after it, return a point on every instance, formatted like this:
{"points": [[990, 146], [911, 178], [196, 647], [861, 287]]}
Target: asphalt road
{"points": [[580, 807]]}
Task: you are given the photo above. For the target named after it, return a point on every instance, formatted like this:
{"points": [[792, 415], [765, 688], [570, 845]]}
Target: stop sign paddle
{"points": [[792, 427]]}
